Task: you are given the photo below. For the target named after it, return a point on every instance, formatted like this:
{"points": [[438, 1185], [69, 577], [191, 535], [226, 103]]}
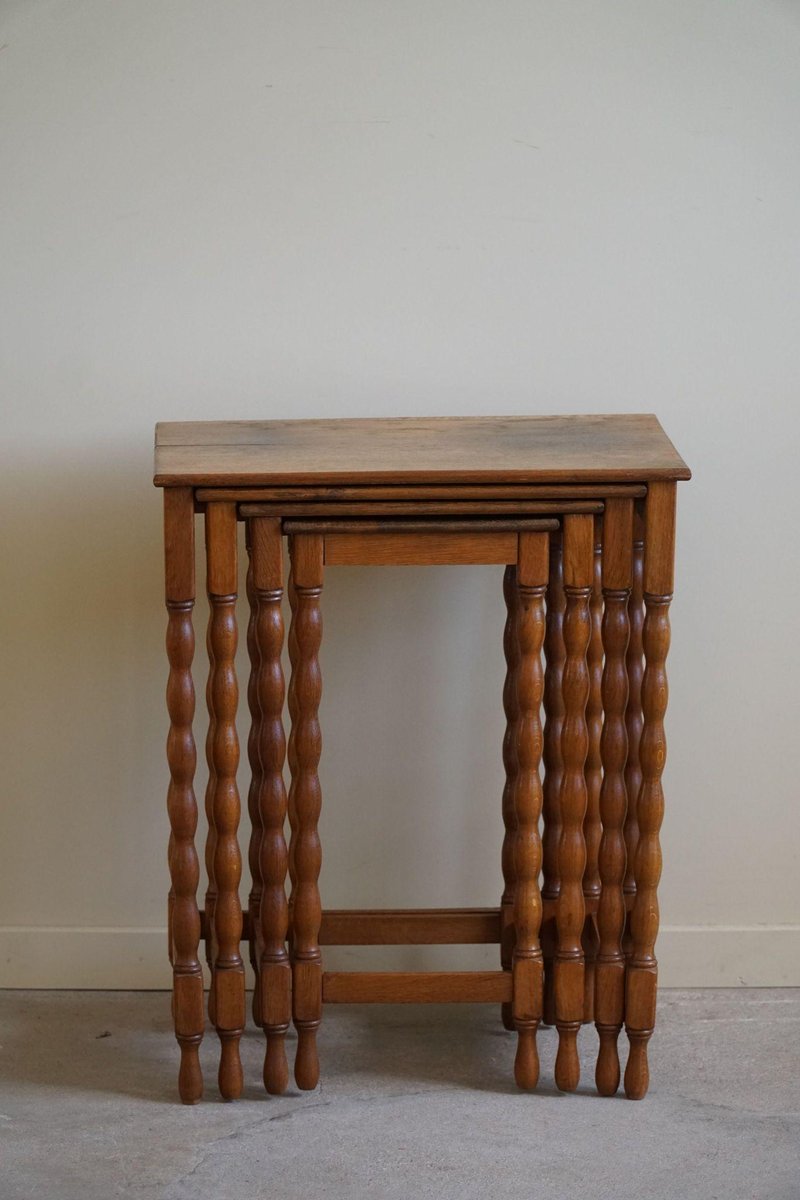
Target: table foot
{"points": [[306, 1063]]}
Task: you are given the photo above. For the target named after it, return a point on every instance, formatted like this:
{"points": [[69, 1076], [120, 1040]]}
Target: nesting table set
{"points": [[580, 512]]}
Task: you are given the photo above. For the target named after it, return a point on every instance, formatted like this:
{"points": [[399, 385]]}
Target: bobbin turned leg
{"points": [[610, 971], [635, 670], [555, 655], [511, 651], [528, 969], [211, 845], [642, 968], [256, 778], [291, 755], [228, 981], [184, 917], [273, 916], [593, 772], [570, 912], [634, 665], [307, 559]]}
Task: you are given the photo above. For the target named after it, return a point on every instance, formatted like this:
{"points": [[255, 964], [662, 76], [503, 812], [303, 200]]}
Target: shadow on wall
{"points": [[411, 713], [413, 724], [84, 635]]}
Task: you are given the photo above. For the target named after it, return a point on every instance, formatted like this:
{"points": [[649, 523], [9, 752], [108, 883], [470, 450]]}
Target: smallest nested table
{"points": [[580, 512]]}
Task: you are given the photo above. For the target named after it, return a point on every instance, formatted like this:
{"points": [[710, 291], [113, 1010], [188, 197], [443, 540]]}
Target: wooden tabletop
{"points": [[577, 449]]}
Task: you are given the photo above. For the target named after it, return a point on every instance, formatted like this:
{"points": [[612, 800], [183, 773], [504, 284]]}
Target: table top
{"points": [[621, 448]]}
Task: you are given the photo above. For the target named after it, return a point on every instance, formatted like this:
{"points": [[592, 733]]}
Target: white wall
{"points": [[250, 209]]}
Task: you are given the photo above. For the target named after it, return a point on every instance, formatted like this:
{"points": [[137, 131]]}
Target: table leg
{"points": [[555, 655], [291, 753], [307, 570], [610, 973], [511, 651], [642, 968], [210, 848], [228, 981], [184, 917], [273, 916], [256, 777], [570, 911], [634, 664], [593, 772], [528, 967]]}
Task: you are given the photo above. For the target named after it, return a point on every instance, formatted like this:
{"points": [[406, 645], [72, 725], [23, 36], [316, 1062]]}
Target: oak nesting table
{"points": [[580, 512]]}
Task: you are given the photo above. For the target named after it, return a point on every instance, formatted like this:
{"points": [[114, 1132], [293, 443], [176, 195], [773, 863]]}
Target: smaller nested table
{"points": [[580, 512]]}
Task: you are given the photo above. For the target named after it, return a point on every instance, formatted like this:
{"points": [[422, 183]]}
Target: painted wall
{"points": [[273, 209]]}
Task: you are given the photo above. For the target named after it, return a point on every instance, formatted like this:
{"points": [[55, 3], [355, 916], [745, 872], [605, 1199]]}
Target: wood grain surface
{"points": [[615, 448]]}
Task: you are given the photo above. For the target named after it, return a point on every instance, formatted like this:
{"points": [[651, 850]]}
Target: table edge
{"points": [[354, 478]]}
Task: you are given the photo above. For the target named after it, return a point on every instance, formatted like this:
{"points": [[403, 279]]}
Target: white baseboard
{"points": [[690, 956]]}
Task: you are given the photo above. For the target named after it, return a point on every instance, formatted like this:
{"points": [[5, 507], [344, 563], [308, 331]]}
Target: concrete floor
{"points": [[415, 1102]]}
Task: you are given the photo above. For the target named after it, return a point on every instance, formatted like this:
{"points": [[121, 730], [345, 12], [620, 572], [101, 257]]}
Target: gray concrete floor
{"points": [[415, 1102]]}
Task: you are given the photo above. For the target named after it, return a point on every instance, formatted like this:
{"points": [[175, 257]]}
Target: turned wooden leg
{"points": [[184, 917], [642, 968], [307, 559], [511, 651], [291, 755], [593, 773], [555, 656], [211, 846], [634, 664], [256, 778], [528, 967], [610, 971], [273, 916], [228, 982], [570, 912]]}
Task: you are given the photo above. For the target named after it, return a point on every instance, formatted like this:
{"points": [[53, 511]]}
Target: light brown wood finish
{"points": [[629, 448], [555, 656], [343, 497], [256, 781], [291, 752], [450, 510], [418, 549], [211, 842], [410, 927], [421, 542], [527, 964], [634, 663], [420, 525], [273, 914], [412, 987], [417, 491], [307, 570], [593, 772], [610, 971], [642, 968], [510, 764], [184, 918], [570, 908], [228, 977]]}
